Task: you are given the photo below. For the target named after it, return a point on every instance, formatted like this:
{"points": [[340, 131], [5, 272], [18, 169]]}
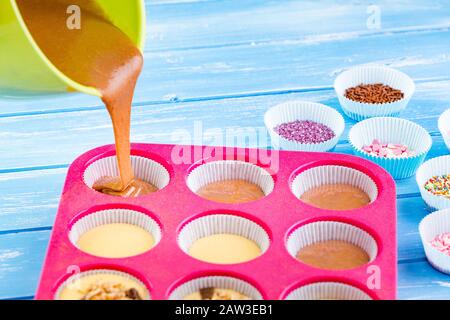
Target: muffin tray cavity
{"points": [[279, 223]]}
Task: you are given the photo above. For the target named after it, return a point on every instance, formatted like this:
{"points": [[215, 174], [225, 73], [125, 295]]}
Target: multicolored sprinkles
{"points": [[439, 185]]}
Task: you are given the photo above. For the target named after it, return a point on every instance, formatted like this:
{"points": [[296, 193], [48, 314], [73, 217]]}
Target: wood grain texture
{"points": [[229, 49], [30, 141], [21, 258], [221, 64]]}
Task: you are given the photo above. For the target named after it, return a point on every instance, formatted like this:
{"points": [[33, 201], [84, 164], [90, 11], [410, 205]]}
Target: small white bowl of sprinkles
{"points": [[434, 231], [398, 145], [433, 179], [444, 127], [373, 91], [304, 126]]}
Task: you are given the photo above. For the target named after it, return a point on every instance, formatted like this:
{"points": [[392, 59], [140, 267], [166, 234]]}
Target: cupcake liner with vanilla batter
{"points": [[222, 224], [113, 216]]}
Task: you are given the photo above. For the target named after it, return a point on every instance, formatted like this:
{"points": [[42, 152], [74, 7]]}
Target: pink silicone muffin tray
{"points": [[275, 273]]}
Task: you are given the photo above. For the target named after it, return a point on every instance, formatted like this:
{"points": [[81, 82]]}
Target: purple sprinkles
{"points": [[305, 131]]}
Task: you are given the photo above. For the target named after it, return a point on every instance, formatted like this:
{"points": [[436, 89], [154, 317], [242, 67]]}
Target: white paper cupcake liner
{"points": [[230, 170], [372, 75], [431, 226], [444, 127], [328, 291], [396, 131], [434, 167], [110, 216], [330, 230], [222, 224], [220, 282], [144, 169], [302, 110], [71, 281], [332, 174]]}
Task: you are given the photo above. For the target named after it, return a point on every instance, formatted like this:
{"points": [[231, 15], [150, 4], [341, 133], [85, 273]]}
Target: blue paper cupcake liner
{"points": [[372, 75], [359, 117], [396, 131], [444, 127], [434, 167], [431, 226], [303, 110]]}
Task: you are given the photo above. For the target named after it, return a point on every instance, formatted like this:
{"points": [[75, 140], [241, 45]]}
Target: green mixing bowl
{"points": [[25, 68]]}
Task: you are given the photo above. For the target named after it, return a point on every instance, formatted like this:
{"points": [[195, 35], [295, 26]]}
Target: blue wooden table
{"points": [[220, 64]]}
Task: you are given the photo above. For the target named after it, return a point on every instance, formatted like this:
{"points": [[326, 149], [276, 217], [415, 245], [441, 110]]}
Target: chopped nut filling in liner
{"points": [[221, 294], [110, 291]]}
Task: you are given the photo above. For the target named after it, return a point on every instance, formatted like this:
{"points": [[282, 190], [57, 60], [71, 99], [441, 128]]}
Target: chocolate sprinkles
{"points": [[374, 93]]}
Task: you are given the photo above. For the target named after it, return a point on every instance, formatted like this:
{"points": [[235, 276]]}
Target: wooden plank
{"points": [[21, 258], [55, 139], [194, 24], [29, 200], [410, 212], [276, 66], [419, 281]]}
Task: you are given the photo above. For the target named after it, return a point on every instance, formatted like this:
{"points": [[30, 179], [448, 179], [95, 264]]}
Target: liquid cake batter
{"points": [[336, 197], [98, 55], [333, 255], [116, 240], [224, 249], [231, 191]]}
